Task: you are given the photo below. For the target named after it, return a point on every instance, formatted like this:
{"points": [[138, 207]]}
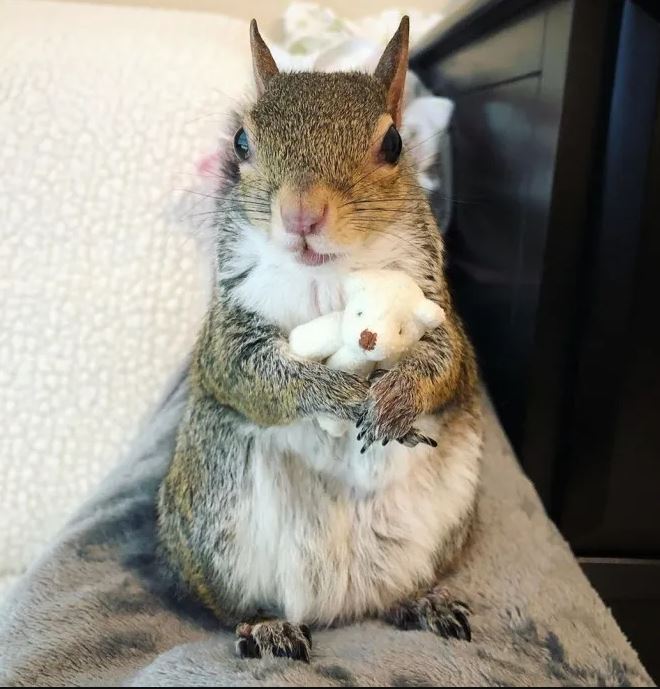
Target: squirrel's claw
{"points": [[369, 435], [414, 437], [411, 439]]}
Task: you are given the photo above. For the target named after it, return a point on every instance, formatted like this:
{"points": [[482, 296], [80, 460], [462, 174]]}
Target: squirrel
{"points": [[271, 523]]}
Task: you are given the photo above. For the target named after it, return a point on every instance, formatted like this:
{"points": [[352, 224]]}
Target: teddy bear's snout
{"points": [[368, 340]]}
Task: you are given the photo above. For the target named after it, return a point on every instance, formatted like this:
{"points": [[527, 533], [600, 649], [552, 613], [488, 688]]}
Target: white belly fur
{"points": [[332, 534]]}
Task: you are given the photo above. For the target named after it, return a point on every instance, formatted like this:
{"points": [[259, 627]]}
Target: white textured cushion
{"points": [[103, 111]]}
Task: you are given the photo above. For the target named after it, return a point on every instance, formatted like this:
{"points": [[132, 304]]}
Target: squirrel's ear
{"points": [[262, 61], [429, 314], [392, 68]]}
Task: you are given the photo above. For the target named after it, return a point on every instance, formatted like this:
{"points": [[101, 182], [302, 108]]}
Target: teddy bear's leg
{"points": [[350, 360], [332, 426]]}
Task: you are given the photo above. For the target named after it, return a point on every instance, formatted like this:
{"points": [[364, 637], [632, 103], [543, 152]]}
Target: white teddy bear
{"points": [[386, 313]]}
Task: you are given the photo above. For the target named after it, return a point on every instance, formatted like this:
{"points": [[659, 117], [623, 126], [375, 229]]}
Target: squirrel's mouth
{"points": [[307, 256], [304, 254]]}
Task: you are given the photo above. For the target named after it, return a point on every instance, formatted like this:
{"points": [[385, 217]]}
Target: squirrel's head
{"points": [[319, 157]]}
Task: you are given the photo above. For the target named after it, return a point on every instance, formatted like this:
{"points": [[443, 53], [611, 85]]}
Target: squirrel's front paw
{"points": [[391, 410]]}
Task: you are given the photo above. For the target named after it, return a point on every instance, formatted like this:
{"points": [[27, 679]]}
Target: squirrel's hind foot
{"points": [[274, 638], [436, 612]]}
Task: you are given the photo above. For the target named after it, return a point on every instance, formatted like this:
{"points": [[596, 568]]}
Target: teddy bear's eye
{"points": [[400, 331], [359, 313]]}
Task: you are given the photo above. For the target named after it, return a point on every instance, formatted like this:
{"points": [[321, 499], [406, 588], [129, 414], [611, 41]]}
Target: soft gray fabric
{"points": [[92, 611]]}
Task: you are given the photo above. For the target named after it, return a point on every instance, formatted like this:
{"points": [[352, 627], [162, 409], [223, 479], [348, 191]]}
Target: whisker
{"points": [[403, 240]]}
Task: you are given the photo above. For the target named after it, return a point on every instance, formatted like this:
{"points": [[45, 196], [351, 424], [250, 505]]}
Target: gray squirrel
{"points": [[271, 523]]}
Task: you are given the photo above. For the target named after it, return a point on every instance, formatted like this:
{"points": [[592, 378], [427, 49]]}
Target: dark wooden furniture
{"points": [[555, 261]]}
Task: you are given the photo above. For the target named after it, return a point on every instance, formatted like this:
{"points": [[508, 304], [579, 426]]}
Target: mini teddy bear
{"points": [[386, 313]]}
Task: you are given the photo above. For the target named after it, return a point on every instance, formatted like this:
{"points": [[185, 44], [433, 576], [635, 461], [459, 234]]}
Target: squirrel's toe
{"points": [[276, 639], [246, 647], [435, 612]]}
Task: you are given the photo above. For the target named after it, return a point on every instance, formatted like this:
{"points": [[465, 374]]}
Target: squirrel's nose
{"points": [[303, 219]]}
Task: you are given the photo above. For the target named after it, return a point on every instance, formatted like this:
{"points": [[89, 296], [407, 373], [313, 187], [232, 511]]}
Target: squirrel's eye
{"points": [[390, 149], [241, 144]]}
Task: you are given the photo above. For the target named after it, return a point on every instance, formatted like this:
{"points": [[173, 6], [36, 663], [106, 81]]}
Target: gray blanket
{"points": [[93, 611]]}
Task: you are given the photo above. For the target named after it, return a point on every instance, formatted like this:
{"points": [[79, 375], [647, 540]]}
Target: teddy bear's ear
{"points": [[429, 314]]}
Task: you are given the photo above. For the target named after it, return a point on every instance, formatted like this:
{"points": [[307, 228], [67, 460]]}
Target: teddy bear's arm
{"points": [[317, 339]]}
